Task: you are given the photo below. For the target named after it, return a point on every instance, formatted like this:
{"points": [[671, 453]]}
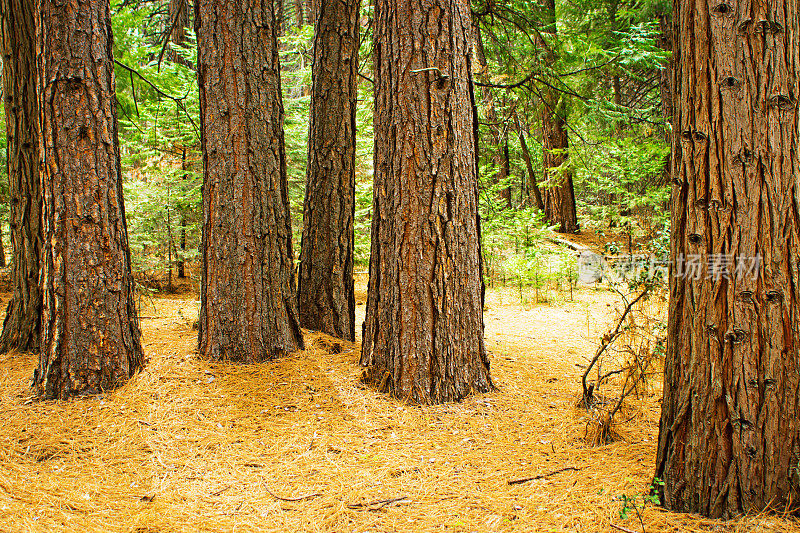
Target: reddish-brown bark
{"points": [[729, 440], [21, 326], [423, 334], [326, 294], [248, 306], [90, 332]]}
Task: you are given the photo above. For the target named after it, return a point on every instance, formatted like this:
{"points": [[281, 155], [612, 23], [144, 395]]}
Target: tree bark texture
{"points": [[559, 193], [423, 334], [326, 294], [21, 327], [729, 439], [90, 331], [248, 309]]}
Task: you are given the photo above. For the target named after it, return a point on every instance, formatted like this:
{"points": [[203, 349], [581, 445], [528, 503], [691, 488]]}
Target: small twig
{"points": [[220, 491], [625, 529], [541, 476], [376, 505], [296, 499]]}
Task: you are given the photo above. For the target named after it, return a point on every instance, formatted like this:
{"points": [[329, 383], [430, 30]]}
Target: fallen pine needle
{"points": [[625, 529], [295, 499]]}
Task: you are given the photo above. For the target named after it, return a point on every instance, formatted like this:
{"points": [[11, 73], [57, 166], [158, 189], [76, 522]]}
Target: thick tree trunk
{"points": [[559, 194], [730, 424], [423, 334], [23, 315], [248, 309], [90, 332], [326, 295]]}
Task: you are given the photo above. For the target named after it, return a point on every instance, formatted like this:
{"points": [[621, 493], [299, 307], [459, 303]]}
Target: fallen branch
{"points": [[608, 340], [376, 505], [541, 476]]}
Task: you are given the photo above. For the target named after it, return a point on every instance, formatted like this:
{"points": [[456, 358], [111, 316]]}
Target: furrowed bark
{"points": [[248, 306], [326, 294], [423, 334], [21, 328], [729, 439], [90, 331]]}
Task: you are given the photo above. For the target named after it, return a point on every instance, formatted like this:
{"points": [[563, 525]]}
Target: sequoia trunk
{"points": [[90, 332], [23, 315], [326, 295], [423, 334], [248, 309], [729, 439]]}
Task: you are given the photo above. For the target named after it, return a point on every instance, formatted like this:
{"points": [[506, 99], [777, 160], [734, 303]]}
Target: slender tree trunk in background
{"points": [[312, 10], [423, 334], [18, 35], [2, 249], [490, 112], [533, 185], [181, 264], [559, 194], [326, 294], [248, 307], [90, 332], [505, 170], [179, 18], [729, 439], [665, 42], [178, 22], [298, 13]]}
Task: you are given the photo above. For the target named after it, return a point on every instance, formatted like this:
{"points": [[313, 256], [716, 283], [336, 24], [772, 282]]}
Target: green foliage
{"points": [[638, 502], [158, 105]]}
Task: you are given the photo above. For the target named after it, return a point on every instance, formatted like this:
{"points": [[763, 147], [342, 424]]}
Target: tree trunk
{"points": [[181, 264], [279, 14], [533, 185], [2, 249], [298, 13], [505, 170], [90, 332], [423, 334], [312, 10], [490, 113], [23, 315], [326, 295], [729, 439], [248, 307], [559, 194]]}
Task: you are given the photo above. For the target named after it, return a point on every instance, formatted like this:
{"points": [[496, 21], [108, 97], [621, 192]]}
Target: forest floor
{"points": [[299, 444]]}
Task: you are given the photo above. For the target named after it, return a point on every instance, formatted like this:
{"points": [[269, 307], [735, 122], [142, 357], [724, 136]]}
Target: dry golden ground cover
{"points": [[299, 445]]}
